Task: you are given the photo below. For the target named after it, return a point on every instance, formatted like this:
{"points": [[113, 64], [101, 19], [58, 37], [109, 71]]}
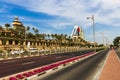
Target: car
{"points": [[32, 50], [14, 52], [17, 51]]}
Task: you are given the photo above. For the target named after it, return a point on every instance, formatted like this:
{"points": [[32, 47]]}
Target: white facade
{"points": [[77, 31]]}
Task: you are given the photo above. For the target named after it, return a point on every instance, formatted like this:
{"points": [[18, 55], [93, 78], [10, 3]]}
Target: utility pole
{"points": [[102, 37], [108, 43], [92, 17]]}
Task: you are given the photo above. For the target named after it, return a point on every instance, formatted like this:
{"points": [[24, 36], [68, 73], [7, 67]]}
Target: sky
{"points": [[60, 16]]}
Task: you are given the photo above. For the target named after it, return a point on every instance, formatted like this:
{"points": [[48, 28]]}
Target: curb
{"points": [[37, 72]]}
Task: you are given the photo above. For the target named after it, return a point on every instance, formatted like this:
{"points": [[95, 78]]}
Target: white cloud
{"points": [[106, 12], [76, 10]]}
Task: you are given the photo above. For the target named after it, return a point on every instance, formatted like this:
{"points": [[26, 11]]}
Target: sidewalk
{"points": [[111, 69]]}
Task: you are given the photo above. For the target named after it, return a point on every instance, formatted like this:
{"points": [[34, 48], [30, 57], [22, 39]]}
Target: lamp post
{"points": [[103, 37], [93, 31]]}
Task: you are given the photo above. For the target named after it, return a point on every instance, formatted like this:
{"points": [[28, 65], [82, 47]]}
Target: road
{"points": [[8, 67], [88, 69], [118, 52]]}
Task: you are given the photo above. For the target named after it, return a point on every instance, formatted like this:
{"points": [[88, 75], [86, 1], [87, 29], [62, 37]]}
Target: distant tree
{"points": [[30, 35], [116, 42], [7, 25], [1, 27], [52, 35], [48, 35], [36, 31], [28, 28], [33, 29], [66, 36]]}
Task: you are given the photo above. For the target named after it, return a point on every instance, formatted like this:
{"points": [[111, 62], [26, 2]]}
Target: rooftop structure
{"points": [[77, 33], [17, 24]]}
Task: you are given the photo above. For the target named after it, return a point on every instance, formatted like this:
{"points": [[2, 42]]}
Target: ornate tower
{"points": [[17, 24]]}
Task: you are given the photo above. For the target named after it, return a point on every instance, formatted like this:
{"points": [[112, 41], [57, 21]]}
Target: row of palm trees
{"points": [[25, 32]]}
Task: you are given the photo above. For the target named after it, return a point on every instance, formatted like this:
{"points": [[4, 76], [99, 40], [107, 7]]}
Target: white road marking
{"points": [[27, 63], [58, 57], [10, 61]]}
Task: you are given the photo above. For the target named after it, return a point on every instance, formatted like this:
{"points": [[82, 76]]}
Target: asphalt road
{"points": [[8, 67], [118, 53], [88, 69]]}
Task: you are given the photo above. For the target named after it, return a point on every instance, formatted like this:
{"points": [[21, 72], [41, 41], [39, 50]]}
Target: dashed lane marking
{"points": [[58, 57], [27, 63], [10, 61]]}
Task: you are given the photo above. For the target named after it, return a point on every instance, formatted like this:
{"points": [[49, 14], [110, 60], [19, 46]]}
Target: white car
{"points": [[17, 51], [33, 50], [14, 52]]}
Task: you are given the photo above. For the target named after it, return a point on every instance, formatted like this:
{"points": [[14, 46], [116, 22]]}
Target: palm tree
{"points": [[1, 27], [43, 36], [62, 36], [36, 31], [33, 29], [7, 25], [53, 36], [48, 35], [28, 28], [66, 36]]}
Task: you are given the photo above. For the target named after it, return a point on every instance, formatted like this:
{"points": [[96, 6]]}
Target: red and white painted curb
{"points": [[35, 73]]}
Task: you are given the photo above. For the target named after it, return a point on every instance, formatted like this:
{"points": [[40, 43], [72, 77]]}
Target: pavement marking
{"points": [[27, 63], [43, 56], [100, 72], [10, 61], [58, 57]]}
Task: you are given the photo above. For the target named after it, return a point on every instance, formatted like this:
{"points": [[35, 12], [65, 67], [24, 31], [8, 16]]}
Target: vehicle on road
{"points": [[33, 50], [17, 52]]}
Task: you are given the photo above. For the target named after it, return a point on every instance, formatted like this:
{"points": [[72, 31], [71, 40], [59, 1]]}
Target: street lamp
{"points": [[93, 31], [103, 37], [25, 37]]}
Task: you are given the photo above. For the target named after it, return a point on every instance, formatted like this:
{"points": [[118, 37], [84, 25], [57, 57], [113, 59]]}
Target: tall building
{"points": [[17, 24], [77, 33]]}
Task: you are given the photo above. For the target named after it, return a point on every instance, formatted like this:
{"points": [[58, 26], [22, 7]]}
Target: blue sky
{"points": [[60, 16]]}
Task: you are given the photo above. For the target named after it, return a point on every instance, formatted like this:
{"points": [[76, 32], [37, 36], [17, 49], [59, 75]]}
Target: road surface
{"points": [[8, 67], [118, 53], [88, 69]]}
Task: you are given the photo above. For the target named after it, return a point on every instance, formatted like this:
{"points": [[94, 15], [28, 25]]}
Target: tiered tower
{"points": [[17, 24]]}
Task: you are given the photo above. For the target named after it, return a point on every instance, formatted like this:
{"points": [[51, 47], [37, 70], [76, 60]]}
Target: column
{"points": [[13, 43], [0, 42]]}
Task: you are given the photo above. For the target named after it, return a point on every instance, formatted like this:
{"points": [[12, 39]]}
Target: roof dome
{"points": [[17, 22]]}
